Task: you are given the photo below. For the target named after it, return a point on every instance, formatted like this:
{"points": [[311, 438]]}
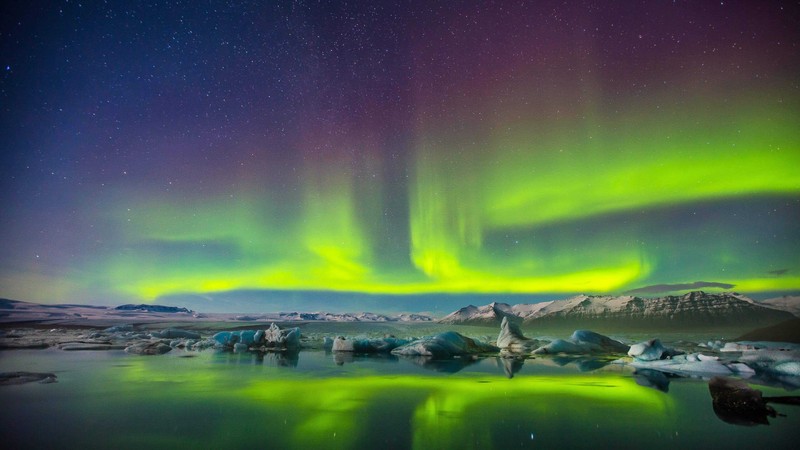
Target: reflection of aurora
{"points": [[451, 412], [455, 411], [441, 412]]}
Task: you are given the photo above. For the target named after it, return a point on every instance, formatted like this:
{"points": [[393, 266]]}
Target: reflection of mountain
{"points": [[695, 309]]}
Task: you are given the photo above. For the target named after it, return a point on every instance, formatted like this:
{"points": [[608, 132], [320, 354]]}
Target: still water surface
{"points": [[316, 399]]}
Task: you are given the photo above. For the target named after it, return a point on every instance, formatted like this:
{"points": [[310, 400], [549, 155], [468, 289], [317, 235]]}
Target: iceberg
{"points": [[384, 345], [512, 340], [273, 338], [583, 342], [444, 345], [651, 350]]}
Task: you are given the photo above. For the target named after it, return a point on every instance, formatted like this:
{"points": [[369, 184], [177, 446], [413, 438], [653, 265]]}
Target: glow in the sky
{"points": [[391, 149]]}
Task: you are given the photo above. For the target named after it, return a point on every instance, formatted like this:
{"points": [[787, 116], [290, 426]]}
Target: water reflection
{"points": [[652, 379], [275, 359], [510, 364], [442, 365], [244, 400], [737, 403], [341, 358]]}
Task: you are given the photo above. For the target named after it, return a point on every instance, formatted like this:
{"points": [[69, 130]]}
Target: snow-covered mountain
{"points": [[350, 317], [788, 303], [14, 310], [410, 317], [695, 309], [488, 314]]}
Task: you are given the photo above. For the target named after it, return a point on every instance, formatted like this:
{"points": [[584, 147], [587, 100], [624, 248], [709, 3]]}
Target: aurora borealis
{"points": [[398, 148]]}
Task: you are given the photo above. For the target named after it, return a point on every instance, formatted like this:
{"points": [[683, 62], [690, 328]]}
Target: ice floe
{"points": [[512, 340], [445, 345], [583, 342]]}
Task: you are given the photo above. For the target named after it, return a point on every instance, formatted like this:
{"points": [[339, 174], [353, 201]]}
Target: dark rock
{"points": [[148, 348], [736, 403], [77, 346], [9, 378]]}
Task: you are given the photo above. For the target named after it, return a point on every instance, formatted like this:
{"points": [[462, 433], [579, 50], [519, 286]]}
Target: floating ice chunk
{"points": [[119, 328], [247, 337], [787, 368], [226, 338], [272, 338], [776, 362], [511, 338], [583, 342], [444, 345], [691, 364], [383, 345], [259, 336], [741, 369], [651, 350], [277, 338], [743, 346], [341, 344], [173, 333]]}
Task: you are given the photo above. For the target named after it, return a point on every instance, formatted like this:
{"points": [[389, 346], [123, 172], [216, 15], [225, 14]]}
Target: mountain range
{"points": [[692, 310]]}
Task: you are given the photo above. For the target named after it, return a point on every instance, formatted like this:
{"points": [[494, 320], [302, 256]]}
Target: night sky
{"points": [[333, 152]]}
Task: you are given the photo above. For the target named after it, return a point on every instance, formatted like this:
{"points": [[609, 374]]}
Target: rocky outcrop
{"points": [[8, 378], [737, 403]]}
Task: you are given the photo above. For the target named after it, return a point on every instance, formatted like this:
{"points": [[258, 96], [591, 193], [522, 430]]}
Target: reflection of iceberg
{"points": [[510, 365], [270, 358], [279, 359], [652, 378], [340, 358], [451, 365], [583, 363]]}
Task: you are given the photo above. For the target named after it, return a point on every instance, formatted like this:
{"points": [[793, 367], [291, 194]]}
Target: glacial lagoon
{"points": [[316, 400]]}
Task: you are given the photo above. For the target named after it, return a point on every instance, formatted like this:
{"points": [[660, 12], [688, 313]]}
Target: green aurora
{"points": [[563, 185], [502, 150]]}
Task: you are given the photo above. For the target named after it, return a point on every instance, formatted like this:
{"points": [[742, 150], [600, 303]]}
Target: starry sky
{"points": [[391, 154]]}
